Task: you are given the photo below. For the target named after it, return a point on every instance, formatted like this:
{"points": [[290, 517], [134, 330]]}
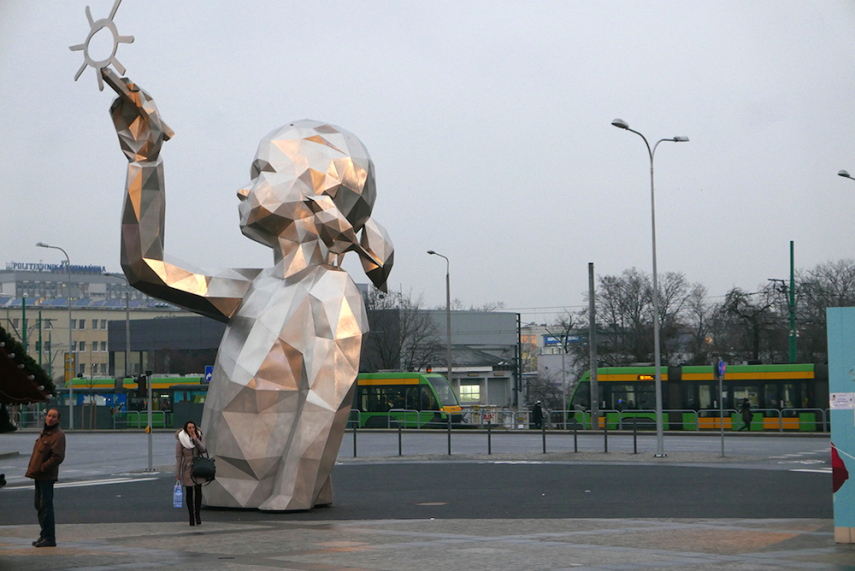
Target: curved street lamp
{"points": [[845, 174], [447, 314], [71, 360], [660, 439]]}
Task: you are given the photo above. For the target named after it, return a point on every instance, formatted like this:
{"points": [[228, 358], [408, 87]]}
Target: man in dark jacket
{"points": [[48, 454], [537, 415]]}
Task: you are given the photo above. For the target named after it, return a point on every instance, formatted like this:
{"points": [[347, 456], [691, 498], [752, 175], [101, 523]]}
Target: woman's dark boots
{"points": [[197, 504]]}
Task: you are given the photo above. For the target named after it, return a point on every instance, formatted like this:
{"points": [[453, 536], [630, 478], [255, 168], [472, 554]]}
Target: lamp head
{"points": [[42, 245], [431, 252], [680, 139], [844, 174], [620, 124]]}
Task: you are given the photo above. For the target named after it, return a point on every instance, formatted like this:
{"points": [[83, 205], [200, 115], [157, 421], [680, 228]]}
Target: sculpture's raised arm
{"points": [[141, 134]]}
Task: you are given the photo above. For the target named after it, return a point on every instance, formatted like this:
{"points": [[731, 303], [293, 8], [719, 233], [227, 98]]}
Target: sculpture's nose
{"points": [[243, 193]]}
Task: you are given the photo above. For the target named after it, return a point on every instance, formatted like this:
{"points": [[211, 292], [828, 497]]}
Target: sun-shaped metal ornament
{"points": [[94, 28]]}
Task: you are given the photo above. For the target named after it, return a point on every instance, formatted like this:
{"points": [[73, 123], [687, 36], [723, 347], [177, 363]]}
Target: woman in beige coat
{"points": [[190, 444]]}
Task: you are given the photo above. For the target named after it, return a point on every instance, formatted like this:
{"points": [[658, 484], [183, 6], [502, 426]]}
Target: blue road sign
{"points": [[209, 372], [721, 367]]}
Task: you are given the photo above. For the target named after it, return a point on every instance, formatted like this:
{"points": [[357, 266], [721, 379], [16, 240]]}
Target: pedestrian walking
{"points": [[745, 409], [48, 454], [190, 445], [537, 415]]}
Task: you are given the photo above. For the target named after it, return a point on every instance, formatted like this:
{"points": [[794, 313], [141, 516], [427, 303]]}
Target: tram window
{"points": [[428, 402], [646, 396], [705, 396], [791, 395], [623, 397], [381, 399], [690, 396], [770, 394], [749, 392]]}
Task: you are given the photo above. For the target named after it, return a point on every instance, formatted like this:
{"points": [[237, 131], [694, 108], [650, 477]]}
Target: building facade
{"points": [[34, 309]]}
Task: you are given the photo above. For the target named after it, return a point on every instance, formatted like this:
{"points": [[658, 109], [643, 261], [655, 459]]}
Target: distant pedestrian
{"points": [[48, 454], [745, 409], [190, 445], [537, 415]]}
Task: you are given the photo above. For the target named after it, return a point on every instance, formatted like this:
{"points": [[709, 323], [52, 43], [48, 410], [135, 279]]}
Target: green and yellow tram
{"points": [[381, 400], [782, 397], [409, 400]]}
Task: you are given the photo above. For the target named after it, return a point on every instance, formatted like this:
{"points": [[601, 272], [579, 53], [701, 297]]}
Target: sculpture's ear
{"points": [[333, 227], [378, 263]]}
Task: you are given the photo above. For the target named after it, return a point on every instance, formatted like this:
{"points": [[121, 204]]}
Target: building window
{"points": [[73, 346], [82, 368], [470, 393], [82, 346], [103, 324], [82, 325], [94, 324], [104, 347], [73, 324], [15, 322], [48, 324], [103, 368]]}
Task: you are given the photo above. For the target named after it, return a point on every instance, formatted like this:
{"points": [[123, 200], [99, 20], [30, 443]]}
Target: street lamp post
{"points": [[71, 360], [447, 313], [24, 323], [660, 438]]}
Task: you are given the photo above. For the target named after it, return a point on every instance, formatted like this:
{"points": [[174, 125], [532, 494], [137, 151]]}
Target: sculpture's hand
{"points": [[136, 119]]}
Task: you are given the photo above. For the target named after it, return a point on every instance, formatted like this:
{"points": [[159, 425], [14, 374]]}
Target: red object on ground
{"points": [[839, 473]]}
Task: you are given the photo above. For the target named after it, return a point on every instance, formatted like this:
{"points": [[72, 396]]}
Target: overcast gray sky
{"points": [[488, 123]]}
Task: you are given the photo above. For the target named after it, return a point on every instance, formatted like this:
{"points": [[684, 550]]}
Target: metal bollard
{"points": [[606, 434], [635, 437], [575, 436], [448, 416], [399, 441], [355, 426], [543, 432], [489, 440]]}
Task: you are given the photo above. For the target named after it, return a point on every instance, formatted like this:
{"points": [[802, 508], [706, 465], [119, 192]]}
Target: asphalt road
{"points": [[102, 454], [476, 490]]}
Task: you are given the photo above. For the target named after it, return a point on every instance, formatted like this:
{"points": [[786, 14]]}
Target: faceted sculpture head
{"points": [[296, 164]]}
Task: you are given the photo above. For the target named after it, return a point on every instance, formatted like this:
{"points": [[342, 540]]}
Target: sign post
{"points": [[721, 368], [148, 428]]}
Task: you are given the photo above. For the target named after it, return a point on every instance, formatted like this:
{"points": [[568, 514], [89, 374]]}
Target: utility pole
{"points": [[592, 346], [792, 305]]}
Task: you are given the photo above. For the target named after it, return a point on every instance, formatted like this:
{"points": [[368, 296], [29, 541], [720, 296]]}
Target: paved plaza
{"points": [[237, 540], [427, 545]]}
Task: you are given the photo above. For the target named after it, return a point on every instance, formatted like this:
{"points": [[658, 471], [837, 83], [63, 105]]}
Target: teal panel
{"points": [[841, 379]]}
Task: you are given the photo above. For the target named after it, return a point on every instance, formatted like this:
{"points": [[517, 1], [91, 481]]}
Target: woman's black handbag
{"points": [[204, 470]]}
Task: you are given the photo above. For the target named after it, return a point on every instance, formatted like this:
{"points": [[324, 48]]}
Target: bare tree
{"points": [[402, 334], [547, 389], [756, 323], [699, 317], [829, 284]]}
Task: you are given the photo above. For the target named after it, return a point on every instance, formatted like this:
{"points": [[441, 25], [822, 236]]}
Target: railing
{"points": [[28, 418], [139, 419], [763, 419], [406, 416]]}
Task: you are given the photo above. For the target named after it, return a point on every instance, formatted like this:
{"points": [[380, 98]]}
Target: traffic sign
{"points": [[721, 367], [209, 372]]}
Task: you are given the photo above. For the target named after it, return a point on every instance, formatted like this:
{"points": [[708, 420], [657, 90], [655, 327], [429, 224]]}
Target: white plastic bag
{"points": [[178, 496]]}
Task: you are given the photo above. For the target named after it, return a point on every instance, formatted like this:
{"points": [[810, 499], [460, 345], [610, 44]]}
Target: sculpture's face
{"points": [[301, 160]]}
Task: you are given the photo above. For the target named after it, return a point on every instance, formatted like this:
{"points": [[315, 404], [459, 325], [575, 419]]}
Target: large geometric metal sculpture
{"points": [[284, 376]]}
